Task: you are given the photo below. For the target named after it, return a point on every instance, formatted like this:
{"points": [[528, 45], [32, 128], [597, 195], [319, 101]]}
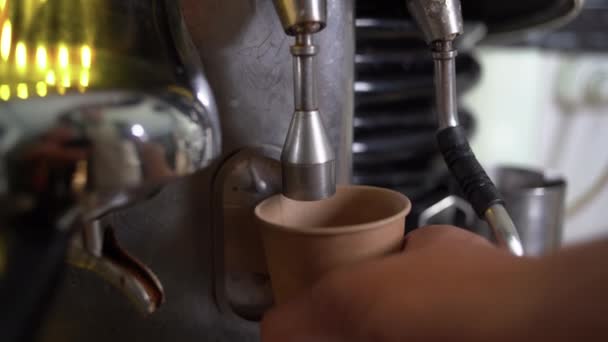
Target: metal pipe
{"points": [[307, 160], [444, 56], [305, 82], [504, 229], [441, 22]]}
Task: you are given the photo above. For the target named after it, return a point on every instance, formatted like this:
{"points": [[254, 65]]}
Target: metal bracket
{"points": [[242, 286]]}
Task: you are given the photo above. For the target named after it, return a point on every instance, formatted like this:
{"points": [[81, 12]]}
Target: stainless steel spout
{"points": [[308, 160]]}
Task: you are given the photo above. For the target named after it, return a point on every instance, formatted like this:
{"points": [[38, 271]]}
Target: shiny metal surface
{"points": [[247, 62], [441, 22], [438, 19], [196, 79], [308, 159], [504, 230], [309, 182], [117, 112], [304, 73], [302, 15], [98, 152], [444, 212], [446, 94], [117, 267], [96, 117], [307, 143], [242, 283], [249, 67], [537, 205]]}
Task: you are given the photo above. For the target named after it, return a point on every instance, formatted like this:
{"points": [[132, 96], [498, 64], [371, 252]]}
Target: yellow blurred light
{"points": [[84, 78], [5, 92], [64, 57], [41, 58], [66, 80], [50, 78], [2, 5], [80, 176], [61, 90], [22, 91], [87, 56], [41, 89], [21, 55], [6, 40]]}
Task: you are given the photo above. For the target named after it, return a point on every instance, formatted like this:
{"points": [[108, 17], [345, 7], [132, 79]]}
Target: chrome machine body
{"points": [[128, 108]]}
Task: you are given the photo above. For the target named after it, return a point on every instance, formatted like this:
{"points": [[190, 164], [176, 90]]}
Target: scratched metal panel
{"points": [[247, 61], [245, 54]]}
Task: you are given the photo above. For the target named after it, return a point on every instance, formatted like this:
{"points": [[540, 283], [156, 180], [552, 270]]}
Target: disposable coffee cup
{"points": [[303, 241]]}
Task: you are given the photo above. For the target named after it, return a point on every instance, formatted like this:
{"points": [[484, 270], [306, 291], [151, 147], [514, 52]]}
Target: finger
{"points": [[333, 310], [443, 236]]}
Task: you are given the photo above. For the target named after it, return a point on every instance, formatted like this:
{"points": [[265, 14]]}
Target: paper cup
{"points": [[305, 240]]}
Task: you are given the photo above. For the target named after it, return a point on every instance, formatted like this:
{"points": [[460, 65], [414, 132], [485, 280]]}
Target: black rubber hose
{"points": [[478, 188]]}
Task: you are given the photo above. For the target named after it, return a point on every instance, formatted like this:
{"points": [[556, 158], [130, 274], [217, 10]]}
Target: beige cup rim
{"points": [[340, 230]]}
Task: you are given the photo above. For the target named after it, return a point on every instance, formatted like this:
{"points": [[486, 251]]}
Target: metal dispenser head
{"points": [[302, 15], [438, 19], [308, 160]]}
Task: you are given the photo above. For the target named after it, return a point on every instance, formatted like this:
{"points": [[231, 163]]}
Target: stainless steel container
{"points": [[536, 201], [537, 204]]}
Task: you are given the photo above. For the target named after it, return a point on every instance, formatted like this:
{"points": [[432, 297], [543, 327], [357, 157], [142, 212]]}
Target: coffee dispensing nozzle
{"points": [[308, 160], [441, 23]]}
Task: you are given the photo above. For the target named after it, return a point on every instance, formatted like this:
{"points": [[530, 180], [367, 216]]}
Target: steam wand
{"points": [[441, 22]]}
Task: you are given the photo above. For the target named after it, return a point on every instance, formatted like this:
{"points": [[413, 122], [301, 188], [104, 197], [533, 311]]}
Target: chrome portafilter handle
{"points": [[441, 23], [308, 160]]}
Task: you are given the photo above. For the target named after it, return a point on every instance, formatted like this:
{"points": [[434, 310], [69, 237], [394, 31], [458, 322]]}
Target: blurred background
{"points": [[534, 99], [547, 97]]}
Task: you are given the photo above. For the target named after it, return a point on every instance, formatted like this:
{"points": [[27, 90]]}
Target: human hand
{"points": [[447, 285]]}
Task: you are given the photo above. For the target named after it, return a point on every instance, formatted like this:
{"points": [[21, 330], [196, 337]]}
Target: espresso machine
{"points": [[136, 137]]}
